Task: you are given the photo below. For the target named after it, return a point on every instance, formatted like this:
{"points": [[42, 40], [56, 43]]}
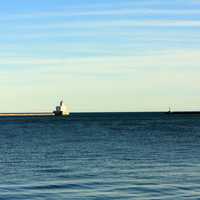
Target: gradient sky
{"points": [[108, 55]]}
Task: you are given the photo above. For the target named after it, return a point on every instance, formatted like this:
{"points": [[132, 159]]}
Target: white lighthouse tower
{"points": [[61, 110]]}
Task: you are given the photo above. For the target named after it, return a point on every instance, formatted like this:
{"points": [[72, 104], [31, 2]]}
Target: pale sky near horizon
{"points": [[108, 55]]}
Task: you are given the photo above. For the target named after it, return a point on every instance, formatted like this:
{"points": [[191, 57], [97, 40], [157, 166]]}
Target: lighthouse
{"points": [[61, 110]]}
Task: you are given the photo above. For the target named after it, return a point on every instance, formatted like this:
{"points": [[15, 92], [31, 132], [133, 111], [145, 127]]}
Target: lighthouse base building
{"points": [[61, 110]]}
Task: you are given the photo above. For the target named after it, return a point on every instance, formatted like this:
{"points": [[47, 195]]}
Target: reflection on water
{"points": [[100, 156]]}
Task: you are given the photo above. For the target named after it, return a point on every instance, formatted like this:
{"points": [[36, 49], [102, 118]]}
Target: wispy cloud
{"points": [[112, 12], [131, 10], [111, 24], [159, 59]]}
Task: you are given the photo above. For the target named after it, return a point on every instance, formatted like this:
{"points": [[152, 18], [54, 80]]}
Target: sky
{"points": [[108, 55]]}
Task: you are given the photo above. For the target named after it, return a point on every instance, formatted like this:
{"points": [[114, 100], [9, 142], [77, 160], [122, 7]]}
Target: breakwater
{"points": [[185, 112], [39, 114]]}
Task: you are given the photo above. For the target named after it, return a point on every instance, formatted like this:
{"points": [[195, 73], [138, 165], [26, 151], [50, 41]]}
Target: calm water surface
{"points": [[100, 156]]}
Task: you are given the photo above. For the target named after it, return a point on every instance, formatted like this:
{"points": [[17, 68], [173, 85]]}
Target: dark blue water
{"points": [[100, 156]]}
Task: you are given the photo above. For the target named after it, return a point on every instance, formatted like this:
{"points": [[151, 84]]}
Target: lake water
{"points": [[111, 156]]}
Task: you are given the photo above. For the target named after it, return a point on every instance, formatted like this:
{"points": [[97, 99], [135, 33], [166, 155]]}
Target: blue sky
{"points": [[108, 55]]}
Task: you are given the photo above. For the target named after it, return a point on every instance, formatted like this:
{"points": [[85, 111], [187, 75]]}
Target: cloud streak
{"points": [[110, 24], [108, 12], [173, 59]]}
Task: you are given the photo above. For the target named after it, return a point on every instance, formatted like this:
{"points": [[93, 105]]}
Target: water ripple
{"points": [[144, 156]]}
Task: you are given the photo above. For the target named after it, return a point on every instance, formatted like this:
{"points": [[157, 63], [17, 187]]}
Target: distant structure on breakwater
{"points": [[61, 110], [183, 112]]}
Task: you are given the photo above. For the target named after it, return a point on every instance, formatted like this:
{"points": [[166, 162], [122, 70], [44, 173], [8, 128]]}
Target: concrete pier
{"points": [[61, 110], [39, 114]]}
